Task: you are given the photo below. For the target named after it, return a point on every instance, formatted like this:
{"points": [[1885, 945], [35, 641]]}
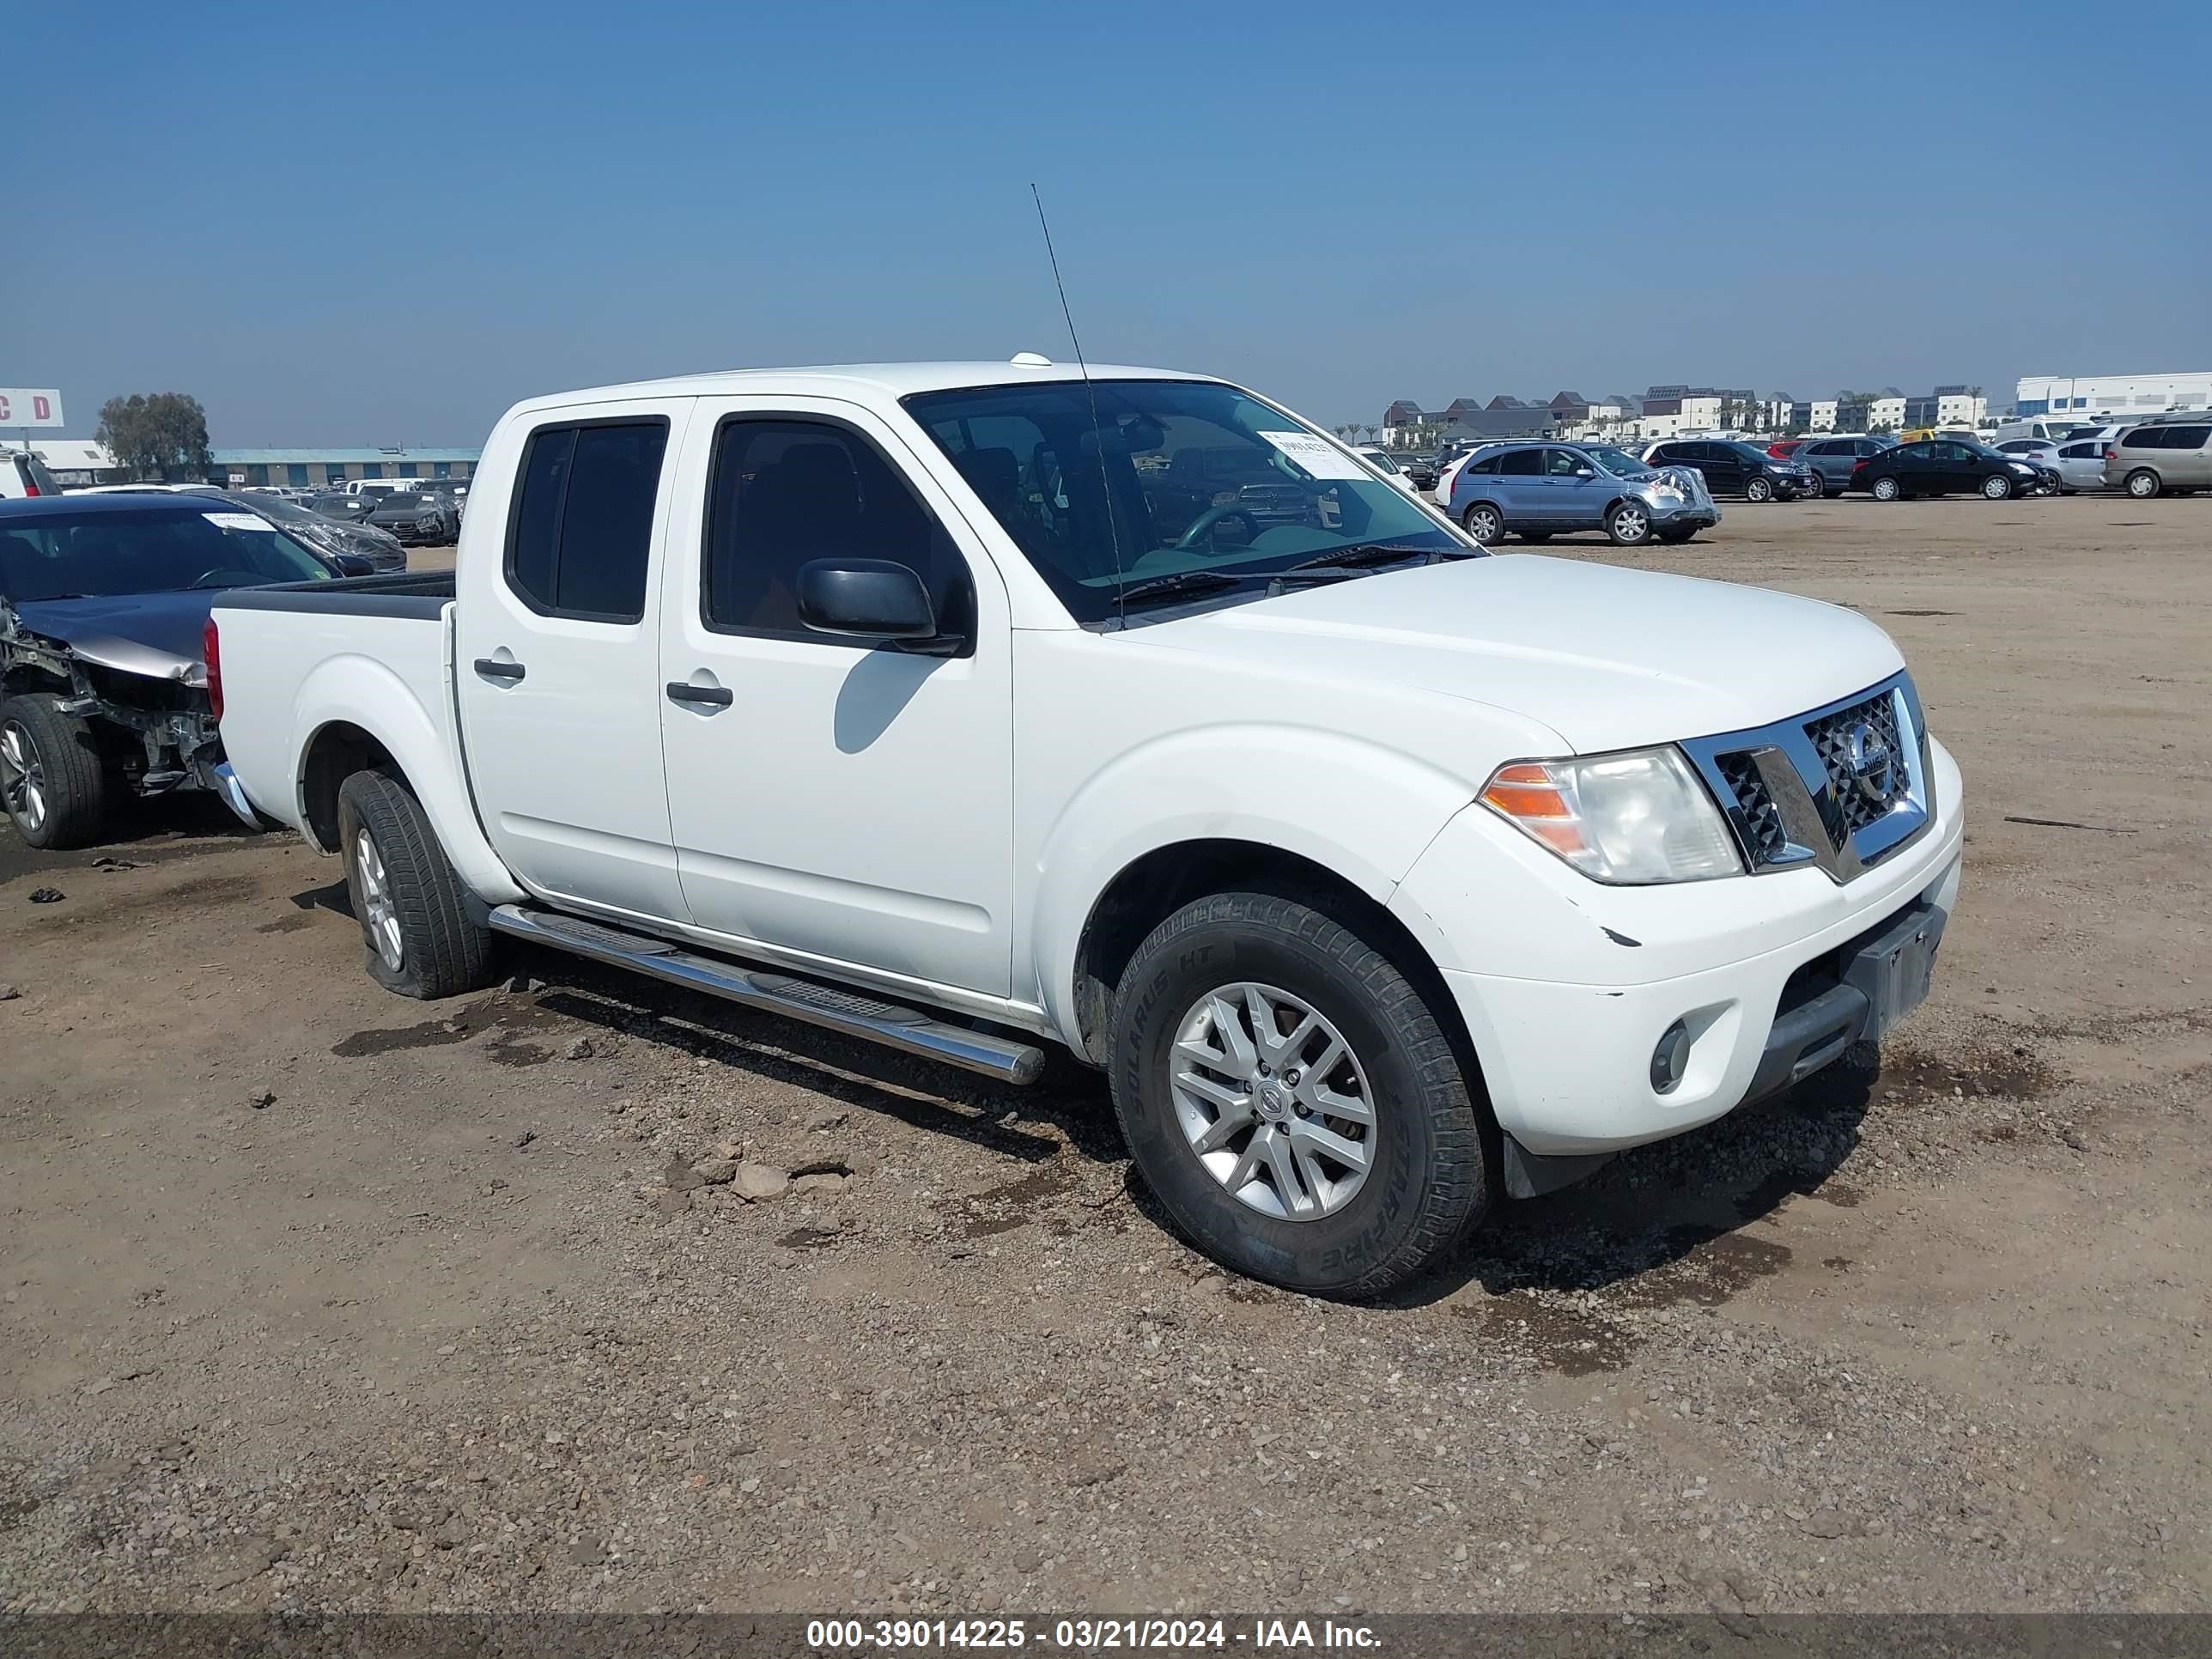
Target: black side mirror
{"points": [[874, 597], [353, 564]]}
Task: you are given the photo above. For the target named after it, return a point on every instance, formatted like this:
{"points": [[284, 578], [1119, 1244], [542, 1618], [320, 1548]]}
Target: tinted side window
{"points": [[2143, 437], [2187, 437], [785, 492], [1561, 462], [582, 530], [1487, 464], [1522, 463]]}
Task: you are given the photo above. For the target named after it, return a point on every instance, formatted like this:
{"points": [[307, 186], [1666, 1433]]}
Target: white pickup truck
{"points": [[963, 707]]}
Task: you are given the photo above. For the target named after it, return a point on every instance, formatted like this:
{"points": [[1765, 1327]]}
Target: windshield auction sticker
{"points": [[236, 520], [1320, 457]]}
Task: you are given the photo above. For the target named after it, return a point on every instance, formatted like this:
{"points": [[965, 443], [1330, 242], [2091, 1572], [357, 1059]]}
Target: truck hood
{"points": [[1606, 657], [157, 635]]}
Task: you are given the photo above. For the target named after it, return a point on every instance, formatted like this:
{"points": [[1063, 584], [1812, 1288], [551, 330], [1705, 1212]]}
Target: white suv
{"points": [[23, 474]]}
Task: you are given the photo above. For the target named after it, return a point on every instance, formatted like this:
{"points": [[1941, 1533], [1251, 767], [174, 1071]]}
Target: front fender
{"points": [[357, 690], [1358, 809]]}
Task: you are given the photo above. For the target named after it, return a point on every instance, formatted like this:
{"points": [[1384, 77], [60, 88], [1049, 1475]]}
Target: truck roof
{"points": [[833, 379]]}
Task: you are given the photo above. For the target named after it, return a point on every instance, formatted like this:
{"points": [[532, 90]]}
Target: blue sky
{"points": [[386, 224]]}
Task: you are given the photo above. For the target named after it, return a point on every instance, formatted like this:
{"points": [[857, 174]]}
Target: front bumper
{"points": [[1599, 974]]}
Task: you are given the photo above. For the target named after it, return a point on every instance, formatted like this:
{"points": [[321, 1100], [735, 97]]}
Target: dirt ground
{"points": [[318, 1298]]}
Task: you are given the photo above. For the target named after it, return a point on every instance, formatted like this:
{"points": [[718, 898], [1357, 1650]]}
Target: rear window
{"points": [[581, 534], [2144, 437], [37, 480], [2187, 437]]}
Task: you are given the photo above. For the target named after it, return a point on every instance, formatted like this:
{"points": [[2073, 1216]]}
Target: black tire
{"points": [[1885, 489], [1997, 488], [1429, 1181], [423, 918], [1628, 523], [1483, 513], [51, 779], [1818, 488], [1758, 490], [2142, 483]]}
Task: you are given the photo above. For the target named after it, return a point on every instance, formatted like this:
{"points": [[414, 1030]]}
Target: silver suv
{"points": [[1536, 490], [2149, 460]]}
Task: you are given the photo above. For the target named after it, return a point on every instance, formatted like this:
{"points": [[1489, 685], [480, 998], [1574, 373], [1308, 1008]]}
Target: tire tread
{"points": [[1453, 1200], [75, 776], [443, 952]]}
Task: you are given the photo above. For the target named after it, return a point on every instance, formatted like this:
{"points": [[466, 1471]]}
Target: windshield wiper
{"points": [[1190, 582], [1361, 554]]}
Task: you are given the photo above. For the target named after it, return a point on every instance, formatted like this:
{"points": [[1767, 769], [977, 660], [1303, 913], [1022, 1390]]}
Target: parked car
{"points": [[1380, 459], [341, 508], [2081, 465], [1419, 468], [1040, 773], [103, 603], [1449, 470], [1946, 466], [414, 517], [378, 549], [1538, 490], [2037, 452], [2150, 460], [1732, 467], [1831, 460], [23, 477]]}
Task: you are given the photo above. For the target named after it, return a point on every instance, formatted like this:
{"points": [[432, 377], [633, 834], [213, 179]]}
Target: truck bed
{"points": [[398, 593]]}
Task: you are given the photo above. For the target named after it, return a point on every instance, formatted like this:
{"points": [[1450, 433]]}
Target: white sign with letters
{"points": [[1320, 457], [30, 406]]}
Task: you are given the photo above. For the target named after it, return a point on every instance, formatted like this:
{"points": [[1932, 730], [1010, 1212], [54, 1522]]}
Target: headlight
{"points": [[2023, 468], [1633, 818]]}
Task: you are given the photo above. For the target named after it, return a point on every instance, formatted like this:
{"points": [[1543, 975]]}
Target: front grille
{"points": [[1860, 805], [1763, 837]]}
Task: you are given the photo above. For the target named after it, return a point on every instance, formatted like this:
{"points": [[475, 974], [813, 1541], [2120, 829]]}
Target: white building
{"points": [[1960, 406], [1815, 415], [2122, 395]]}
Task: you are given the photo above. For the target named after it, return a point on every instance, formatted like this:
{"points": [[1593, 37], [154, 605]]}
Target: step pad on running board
{"points": [[911, 1031]]}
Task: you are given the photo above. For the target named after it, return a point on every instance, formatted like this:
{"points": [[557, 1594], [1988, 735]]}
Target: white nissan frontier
{"points": [[971, 707]]}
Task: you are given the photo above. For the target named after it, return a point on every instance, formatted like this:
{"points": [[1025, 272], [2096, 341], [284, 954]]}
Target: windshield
{"points": [[399, 501], [1170, 476], [1618, 462], [67, 555]]}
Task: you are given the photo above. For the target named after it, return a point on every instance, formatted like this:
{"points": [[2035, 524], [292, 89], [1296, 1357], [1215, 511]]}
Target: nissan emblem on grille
{"points": [[1868, 756]]}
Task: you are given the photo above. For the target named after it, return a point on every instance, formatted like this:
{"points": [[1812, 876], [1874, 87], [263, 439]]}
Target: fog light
{"points": [[1671, 1058]]}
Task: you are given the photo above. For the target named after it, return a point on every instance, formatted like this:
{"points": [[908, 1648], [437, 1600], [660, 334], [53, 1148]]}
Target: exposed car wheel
{"points": [[1818, 488], [1884, 489], [405, 895], [1482, 521], [1996, 487], [1291, 1100], [2143, 484], [1628, 523], [52, 784], [1758, 489]]}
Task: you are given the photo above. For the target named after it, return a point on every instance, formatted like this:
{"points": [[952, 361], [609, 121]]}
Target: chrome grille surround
{"points": [[1840, 787]]}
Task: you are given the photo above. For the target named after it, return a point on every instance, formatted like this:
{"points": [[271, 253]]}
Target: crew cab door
{"points": [[556, 657], [837, 797]]}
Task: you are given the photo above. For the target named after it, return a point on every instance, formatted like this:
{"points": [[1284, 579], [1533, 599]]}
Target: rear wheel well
{"points": [[1161, 882], [334, 754]]}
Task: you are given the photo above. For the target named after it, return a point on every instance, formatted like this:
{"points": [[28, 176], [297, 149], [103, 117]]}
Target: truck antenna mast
{"points": [[1097, 433]]}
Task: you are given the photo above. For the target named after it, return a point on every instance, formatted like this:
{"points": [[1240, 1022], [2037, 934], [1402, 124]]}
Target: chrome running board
{"points": [[832, 1007]]}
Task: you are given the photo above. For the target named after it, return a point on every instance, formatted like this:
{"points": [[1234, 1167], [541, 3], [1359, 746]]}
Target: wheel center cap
{"points": [[1273, 1101]]}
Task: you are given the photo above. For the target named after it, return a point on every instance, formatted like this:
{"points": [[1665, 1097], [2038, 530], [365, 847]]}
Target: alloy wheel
{"points": [[381, 911], [1996, 488], [22, 776], [1483, 524], [1274, 1101], [1631, 524]]}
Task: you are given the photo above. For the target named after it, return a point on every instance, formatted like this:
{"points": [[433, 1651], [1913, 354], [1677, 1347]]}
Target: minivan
{"points": [[2149, 460]]}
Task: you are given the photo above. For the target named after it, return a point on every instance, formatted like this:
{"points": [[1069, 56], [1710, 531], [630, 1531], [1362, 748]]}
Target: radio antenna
{"points": [[1091, 391]]}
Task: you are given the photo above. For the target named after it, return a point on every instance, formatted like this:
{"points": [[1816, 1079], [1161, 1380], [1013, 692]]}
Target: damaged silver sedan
{"points": [[104, 689]]}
